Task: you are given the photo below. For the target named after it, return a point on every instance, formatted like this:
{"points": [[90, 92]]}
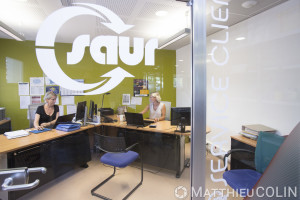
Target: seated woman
{"points": [[47, 114], [157, 109]]}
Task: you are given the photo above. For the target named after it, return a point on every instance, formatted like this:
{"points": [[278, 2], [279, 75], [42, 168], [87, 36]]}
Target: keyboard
{"points": [[148, 122], [40, 131]]}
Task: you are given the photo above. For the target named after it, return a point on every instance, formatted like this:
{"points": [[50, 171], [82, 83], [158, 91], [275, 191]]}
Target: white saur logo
{"points": [[46, 55]]}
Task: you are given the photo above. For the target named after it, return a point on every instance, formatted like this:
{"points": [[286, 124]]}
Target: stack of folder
{"points": [[68, 127], [252, 131], [16, 134]]}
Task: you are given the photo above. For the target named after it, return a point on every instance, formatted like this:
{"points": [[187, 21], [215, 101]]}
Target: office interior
{"points": [[258, 84]]}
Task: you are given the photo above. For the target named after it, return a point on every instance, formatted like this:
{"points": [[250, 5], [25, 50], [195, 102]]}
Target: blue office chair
{"points": [[243, 180], [117, 155]]}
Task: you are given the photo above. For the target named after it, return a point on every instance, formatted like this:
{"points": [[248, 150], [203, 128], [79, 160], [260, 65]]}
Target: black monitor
{"points": [[134, 119], [181, 116], [91, 109], [80, 110], [64, 119], [95, 109]]}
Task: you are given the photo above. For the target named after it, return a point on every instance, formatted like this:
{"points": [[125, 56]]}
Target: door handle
{"points": [[7, 185], [37, 169], [17, 178]]}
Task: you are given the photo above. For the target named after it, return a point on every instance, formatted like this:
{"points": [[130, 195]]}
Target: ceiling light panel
{"points": [[163, 27], [263, 5], [150, 8], [121, 8], [23, 17]]}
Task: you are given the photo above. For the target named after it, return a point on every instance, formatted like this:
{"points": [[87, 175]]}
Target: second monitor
{"points": [[81, 111], [181, 116]]}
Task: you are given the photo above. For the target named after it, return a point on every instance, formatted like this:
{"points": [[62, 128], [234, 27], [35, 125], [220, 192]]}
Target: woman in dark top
{"points": [[47, 114]]}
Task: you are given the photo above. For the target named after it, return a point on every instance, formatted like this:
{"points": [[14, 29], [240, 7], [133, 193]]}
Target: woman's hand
{"points": [[40, 127], [156, 120]]}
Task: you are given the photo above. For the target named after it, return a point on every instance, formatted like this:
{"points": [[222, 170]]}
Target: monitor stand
{"points": [[181, 128]]}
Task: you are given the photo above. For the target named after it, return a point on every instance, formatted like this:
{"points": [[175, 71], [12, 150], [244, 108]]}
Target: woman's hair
{"points": [[156, 95], [49, 95]]}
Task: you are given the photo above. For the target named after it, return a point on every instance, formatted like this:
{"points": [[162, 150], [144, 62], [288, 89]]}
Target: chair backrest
{"points": [[32, 109], [283, 172], [267, 146], [111, 144], [168, 109]]}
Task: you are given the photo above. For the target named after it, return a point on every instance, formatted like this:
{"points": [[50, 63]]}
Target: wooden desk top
{"points": [[4, 121], [7, 145], [244, 140], [161, 127]]}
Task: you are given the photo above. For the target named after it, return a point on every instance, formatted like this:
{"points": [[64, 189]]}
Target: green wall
{"points": [[161, 77]]}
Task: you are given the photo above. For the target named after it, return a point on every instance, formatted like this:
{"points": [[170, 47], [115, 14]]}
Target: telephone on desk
{"points": [[108, 120]]}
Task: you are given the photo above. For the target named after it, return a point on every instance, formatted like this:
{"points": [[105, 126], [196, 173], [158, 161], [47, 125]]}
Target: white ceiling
{"points": [[26, 17]]}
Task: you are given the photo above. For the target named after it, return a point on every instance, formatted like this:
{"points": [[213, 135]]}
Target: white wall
{"points": [[183, 77], [263, 72]]}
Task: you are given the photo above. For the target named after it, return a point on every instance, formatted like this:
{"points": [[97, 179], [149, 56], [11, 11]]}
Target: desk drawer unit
{"points": [[58, 156], [240, 160]]}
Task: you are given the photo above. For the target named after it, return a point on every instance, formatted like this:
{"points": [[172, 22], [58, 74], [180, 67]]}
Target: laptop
{"points": [[64, 119], [136, 119]]}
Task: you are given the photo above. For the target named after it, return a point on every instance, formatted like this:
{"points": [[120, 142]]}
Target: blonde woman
{"points": [[157, 108], [47, 114]]}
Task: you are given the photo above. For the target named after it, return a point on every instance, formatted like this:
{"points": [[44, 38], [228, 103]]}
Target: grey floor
{"points": [[158, 183]]}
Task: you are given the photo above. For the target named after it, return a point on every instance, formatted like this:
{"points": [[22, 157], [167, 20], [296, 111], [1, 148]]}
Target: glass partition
{"points": [[111, 57], [252, 70], [233, 65]]}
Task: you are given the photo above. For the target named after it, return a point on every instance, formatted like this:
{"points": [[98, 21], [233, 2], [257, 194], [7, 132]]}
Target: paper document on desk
{"points": [[16, 134]]}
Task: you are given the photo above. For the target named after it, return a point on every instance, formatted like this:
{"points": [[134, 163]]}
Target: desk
{"points": [[163, 147], [58, 151], [241, 160]]}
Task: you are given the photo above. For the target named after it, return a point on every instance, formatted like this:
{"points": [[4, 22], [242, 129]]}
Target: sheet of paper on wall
{"points": [[61, 110], [67, 100], [24, 102], [23, 88], [136, 100], [71, 109], [36, 81], [48, 81], [36, 90], [67, 92], [78, 92], [126, 99], [35, 99]]}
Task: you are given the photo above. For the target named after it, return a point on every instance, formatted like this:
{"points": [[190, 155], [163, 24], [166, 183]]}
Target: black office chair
{"points": [[117, 155]]}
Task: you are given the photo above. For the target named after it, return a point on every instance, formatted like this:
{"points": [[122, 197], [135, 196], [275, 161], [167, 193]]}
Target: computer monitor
{"points": [[134, 119], [181, 116], [95, 109], [91, 109], [64, 119], [80, 112]]}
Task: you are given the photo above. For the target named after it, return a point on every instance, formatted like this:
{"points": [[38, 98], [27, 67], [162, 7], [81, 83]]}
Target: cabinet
{"points": [[241, 160], [5, 126], [58, 156]]}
